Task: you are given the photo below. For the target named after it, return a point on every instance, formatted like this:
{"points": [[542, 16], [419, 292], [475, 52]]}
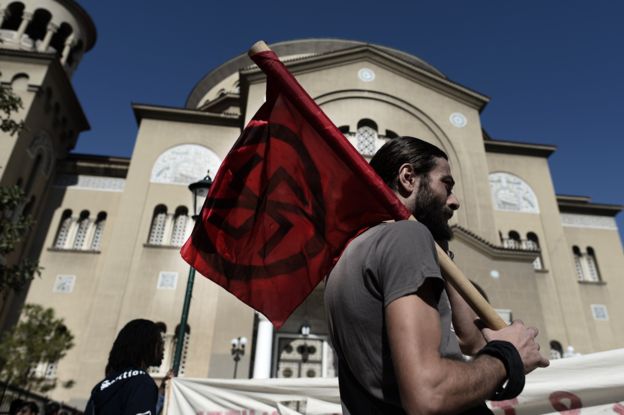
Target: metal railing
{"points": [[8, 393]]}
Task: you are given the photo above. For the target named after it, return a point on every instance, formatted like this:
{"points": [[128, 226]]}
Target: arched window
{"points": [[159, 221], [532, 243], [73, 53], [13, 16], [592, 265], [96, 241], [556, 349], [59, 38], [586, 264], [513, 241], [38, 26], [83, 228], [63, 230], [366, 137], [179, 226]]}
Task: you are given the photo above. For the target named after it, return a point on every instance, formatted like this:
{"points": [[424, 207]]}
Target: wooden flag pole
{"points": [[469, 293], [450, 271]]}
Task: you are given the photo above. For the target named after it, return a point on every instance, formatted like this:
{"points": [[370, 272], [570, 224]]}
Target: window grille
{"points": [[96, 241], [366, 138], [586, 265], [157, 230], [83, 227], [63, 231], [179, 226], [592, 267]]}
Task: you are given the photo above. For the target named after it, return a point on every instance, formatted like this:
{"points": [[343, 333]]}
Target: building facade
{"points": [[109, 229]]}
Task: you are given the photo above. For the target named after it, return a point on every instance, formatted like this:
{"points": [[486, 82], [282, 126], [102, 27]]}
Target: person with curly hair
{"points": [[127, 388]]}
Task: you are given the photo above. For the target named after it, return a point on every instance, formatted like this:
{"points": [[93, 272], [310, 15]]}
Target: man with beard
{"points": [[389, 308]]}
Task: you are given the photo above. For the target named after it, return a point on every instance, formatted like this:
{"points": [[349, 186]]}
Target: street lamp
{"points": [[238, 351], [199, 190]]}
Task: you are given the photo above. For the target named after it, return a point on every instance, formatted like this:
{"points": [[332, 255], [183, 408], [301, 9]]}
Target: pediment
{"points": [[415, 71]]}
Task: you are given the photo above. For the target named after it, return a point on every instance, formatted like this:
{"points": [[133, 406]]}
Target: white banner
{"points": [[590, 384]]}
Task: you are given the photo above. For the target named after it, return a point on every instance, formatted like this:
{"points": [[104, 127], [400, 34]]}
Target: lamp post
{"points": [[199, 189], [238, 351]]}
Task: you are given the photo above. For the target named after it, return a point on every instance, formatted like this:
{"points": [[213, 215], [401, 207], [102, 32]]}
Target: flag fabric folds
{"points": [[286, 201]]}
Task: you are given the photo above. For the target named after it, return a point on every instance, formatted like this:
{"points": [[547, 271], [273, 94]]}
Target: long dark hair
{"points": [[398, 151], [135, 346]]}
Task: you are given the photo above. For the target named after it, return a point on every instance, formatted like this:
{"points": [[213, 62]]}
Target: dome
{"points": [[224, 79]]}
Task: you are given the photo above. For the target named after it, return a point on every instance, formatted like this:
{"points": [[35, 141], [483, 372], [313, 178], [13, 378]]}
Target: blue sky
{"points": [[553, 69]]}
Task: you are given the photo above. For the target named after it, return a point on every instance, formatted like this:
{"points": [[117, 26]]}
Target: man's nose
{"points": [[452, 202]]}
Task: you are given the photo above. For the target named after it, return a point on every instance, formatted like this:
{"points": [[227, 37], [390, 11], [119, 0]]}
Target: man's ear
{"points": [[407, 181]]}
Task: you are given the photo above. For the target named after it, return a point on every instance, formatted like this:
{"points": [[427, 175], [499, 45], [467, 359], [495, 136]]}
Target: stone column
{"points": [[69, 43], [52, 28], [264, 349], [26, 18]]}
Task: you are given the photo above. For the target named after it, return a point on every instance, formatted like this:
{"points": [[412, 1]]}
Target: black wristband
{"points": [[508, 354]]}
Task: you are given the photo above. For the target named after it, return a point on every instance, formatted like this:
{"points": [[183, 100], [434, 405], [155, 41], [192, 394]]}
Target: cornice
{"points": [[222, 102], [493, 251], [518, 148], [583, 205], [144, 111], [301, 65], [90, 164]]}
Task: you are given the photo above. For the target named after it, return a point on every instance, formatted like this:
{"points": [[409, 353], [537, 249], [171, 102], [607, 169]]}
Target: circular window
{"points": [[458, 119], [287, 372], [366, 75], [311, 373]]}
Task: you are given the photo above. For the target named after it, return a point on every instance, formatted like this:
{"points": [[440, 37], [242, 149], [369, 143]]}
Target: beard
{"points": [[432, 211]]}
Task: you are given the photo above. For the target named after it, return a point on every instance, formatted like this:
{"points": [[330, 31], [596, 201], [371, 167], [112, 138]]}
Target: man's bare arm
{"points": [[470, 338], [431, 384]]}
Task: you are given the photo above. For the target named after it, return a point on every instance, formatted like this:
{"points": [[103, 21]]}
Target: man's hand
{"points": [[523, 338]]}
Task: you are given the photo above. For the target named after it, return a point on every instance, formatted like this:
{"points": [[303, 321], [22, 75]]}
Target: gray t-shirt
{"points": [[386, 262]]}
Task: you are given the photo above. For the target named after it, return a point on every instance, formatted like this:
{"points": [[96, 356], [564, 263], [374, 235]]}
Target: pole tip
{"points": [[259, 46]]}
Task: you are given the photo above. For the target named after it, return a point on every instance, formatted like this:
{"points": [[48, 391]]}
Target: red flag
{"points": [[287, 199]]}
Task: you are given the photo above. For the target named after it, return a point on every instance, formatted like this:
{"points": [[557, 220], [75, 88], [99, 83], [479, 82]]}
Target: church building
{"points": [[109, 229]]}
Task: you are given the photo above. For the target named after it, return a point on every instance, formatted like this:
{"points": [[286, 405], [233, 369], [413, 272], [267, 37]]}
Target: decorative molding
{"points": [[167, 280], [87, 182], [577, 220], [599, 311], [512, 194], [184, 164], [64, 284], [492, 250]]}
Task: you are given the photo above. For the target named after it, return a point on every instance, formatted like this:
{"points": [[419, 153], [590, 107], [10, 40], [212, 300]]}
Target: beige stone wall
{"points": [[606, 243], [560, 294], [510, 283], [82, 363]]}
